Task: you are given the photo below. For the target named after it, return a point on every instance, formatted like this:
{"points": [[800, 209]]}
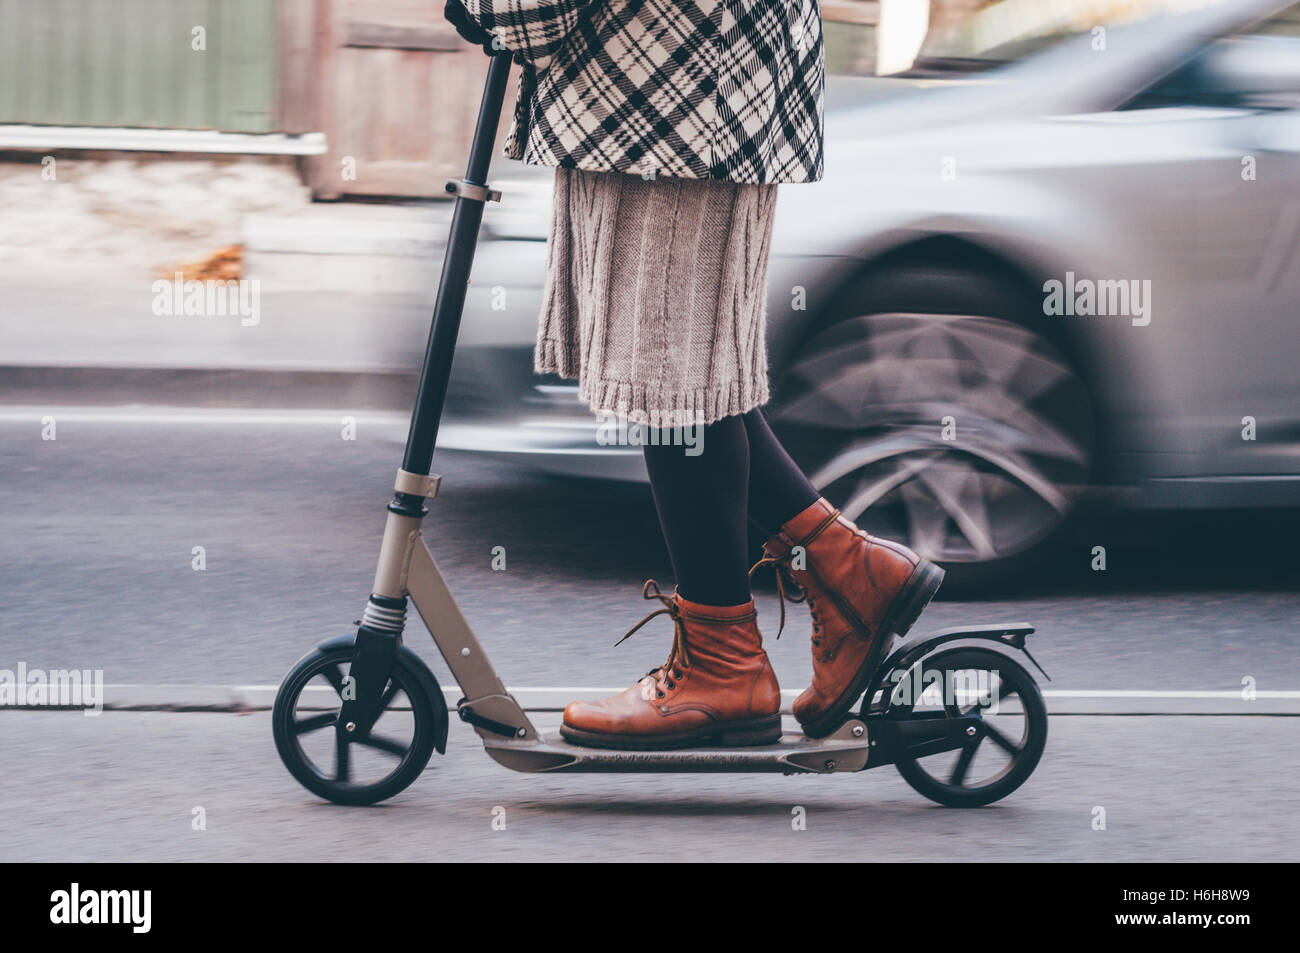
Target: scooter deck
{"points": [[795, 753]]}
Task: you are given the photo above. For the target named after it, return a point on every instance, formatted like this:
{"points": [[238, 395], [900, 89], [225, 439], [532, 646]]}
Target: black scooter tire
{"points": [[406, 675], [1023, 764]]}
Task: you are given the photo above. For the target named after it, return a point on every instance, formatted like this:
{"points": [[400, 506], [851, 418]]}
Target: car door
{"points": [[1203, 175]]}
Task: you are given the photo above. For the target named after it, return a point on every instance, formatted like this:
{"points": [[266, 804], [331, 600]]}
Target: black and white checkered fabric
{"points": [[700, 89]]}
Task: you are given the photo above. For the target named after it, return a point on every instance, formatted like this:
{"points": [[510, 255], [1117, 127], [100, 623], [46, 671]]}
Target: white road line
{"points": [[1138, 693]]}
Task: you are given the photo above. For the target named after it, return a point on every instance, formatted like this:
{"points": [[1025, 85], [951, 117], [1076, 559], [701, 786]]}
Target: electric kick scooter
{"points": [[939, 708]]}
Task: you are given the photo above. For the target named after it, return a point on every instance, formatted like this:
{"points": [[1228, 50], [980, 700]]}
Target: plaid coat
{"points": [[698, 89]]}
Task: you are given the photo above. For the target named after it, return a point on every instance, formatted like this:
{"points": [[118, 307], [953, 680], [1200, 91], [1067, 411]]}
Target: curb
{"points": [[224, 388]]}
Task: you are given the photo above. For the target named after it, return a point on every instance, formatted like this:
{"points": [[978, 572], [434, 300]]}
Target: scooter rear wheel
{"points": [[1009, 738], [347, 767]]}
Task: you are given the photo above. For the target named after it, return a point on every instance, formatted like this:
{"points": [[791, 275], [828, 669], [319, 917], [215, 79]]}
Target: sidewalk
{"points": [[73, 338], [343, 291]]}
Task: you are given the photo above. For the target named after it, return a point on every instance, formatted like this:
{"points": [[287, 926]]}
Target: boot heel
{"points": [[916, 594], [757, 731]]}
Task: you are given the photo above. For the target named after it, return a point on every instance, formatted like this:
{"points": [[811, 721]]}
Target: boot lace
{"points": [[670, 671], [787, 589], [785, 578]]}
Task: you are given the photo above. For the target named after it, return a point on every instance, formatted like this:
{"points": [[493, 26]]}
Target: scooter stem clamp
{"points": [[468, 190], [416, 484]]}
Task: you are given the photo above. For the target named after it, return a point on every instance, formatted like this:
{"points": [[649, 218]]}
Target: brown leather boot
{"points": [[862, 591], [717, 687]]}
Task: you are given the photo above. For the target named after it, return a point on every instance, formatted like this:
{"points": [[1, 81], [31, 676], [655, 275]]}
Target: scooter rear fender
{"points": [[1010, 635]]}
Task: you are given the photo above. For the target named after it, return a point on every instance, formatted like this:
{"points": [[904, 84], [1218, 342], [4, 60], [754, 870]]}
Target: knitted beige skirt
{"points": [[655, 295]]}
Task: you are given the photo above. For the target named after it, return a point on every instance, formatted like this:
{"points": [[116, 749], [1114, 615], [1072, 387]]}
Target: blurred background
{"points": [[1041, 320], [978, 152]]}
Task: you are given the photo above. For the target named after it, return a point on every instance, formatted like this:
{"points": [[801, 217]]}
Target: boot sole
{"points": [[908, 605], [732, 734]]}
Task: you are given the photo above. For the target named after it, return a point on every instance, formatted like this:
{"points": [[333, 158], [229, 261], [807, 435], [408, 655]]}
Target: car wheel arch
{"points": [[1020, 271]]}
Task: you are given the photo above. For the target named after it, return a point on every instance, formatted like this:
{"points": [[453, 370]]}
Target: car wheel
{"points": [[929, 413]]}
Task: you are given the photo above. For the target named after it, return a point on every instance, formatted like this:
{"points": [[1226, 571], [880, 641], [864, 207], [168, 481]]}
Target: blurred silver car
{"points": [[1076, 268]]}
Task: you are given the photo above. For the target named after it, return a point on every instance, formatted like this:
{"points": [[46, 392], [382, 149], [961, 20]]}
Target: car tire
{"points": [[932, 407]]}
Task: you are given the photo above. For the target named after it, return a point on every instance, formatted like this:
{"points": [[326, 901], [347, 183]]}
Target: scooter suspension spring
{"points": [[384, 618]]}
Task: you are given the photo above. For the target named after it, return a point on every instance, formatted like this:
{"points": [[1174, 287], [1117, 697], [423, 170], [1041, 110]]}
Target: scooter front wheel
{"points": [[350, 767], [1006, 721]]}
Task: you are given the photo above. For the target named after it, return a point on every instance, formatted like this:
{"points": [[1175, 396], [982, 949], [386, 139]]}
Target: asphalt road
{"points": [[101, 523], [99, 529], [124, 786]]}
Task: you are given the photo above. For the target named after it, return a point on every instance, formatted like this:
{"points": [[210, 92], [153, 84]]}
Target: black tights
{"points": [[704, 499]]}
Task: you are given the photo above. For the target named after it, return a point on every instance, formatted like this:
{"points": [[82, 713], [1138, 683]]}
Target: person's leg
{"points": [[702, 505], [862, 591], [778, 489], [717, 686]]}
